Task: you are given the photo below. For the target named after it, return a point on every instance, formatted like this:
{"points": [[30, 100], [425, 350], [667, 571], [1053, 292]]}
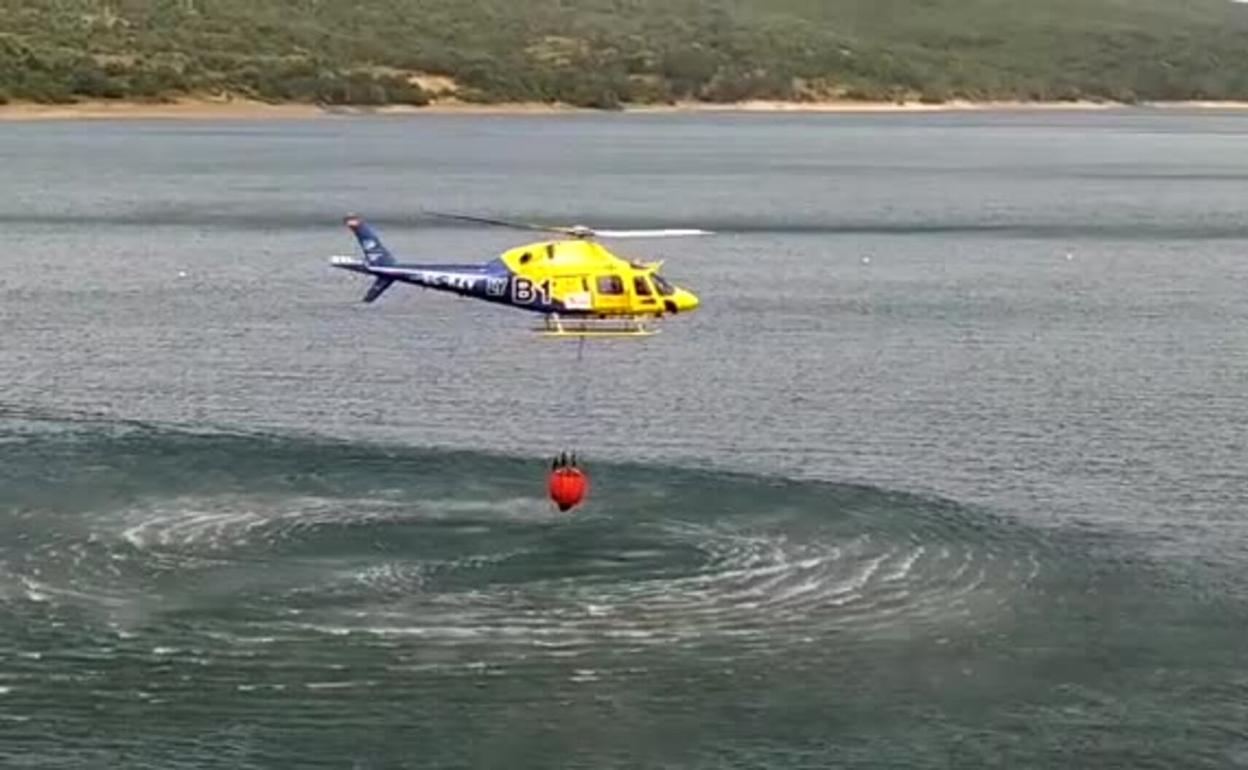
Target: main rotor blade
{"points": [[669, 233], [576, 231], [498, 222]]}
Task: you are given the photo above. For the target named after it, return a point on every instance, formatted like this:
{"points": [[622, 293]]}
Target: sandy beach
{"points": [[239, 109]]}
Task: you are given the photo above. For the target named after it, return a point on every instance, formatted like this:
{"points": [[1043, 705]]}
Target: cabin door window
{"points": [[609, 293]]}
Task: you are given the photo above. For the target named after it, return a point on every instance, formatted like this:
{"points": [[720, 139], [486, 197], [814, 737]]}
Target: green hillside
{"points": [[604, 52]]}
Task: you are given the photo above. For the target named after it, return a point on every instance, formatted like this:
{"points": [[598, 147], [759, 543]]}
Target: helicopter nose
{"points": [[685, 300]]}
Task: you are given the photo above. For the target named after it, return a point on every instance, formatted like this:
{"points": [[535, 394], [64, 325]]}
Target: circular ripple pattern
{"points": [[216, 600], [309, 538]]}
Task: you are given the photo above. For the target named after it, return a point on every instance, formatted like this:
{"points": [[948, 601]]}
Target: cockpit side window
{"points": [[641, 286], [660, 283]]}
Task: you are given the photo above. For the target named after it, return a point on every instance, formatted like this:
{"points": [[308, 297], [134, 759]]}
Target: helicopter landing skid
{"points": [[622, 326]]}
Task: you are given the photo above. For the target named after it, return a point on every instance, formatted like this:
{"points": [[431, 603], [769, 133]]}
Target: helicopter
{"points": [[580, 287]]}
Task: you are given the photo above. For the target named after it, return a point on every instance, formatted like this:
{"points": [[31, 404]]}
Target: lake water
{"points": [[946, 471]]}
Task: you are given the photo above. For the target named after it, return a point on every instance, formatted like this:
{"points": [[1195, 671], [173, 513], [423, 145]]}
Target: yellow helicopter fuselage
{"points": [[583, 277]]}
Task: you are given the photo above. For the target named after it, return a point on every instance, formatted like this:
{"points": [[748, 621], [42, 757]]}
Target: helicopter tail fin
{"points": [[378, 288], [375, 252]]}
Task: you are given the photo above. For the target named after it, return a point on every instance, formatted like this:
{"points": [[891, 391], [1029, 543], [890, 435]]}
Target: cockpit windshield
{"points": [[664, 288]]}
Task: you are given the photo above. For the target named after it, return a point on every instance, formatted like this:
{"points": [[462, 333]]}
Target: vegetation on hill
{"points": [[601, 53]]}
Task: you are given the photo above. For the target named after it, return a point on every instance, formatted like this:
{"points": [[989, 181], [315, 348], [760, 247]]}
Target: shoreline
{"points": [[205, 109]]}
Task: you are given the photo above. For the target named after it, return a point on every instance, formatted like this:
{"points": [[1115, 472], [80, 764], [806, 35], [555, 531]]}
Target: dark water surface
{"points": [[947, 471]]}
